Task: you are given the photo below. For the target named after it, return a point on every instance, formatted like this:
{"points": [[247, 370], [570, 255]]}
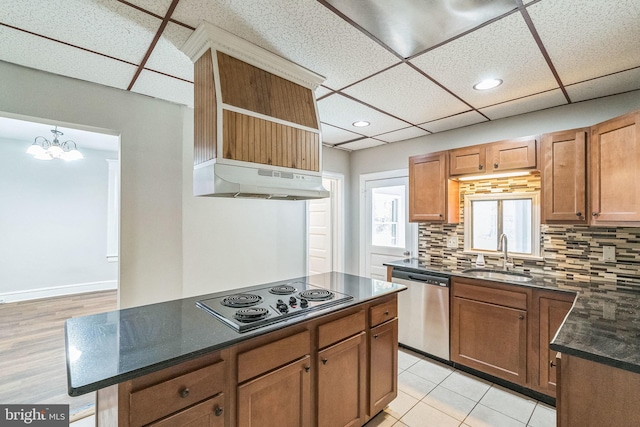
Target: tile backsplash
{"points": [[571, 252]]}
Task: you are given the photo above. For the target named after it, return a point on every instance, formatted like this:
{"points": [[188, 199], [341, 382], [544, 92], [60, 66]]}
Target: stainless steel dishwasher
{"points": [[423, 312]]}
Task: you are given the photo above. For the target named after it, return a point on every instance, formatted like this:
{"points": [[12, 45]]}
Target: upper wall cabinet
{"points": [[433, 196], [615, 171], [564, 180], [520, 153]]}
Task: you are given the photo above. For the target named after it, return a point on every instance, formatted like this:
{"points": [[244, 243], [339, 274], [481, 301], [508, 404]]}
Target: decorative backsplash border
{"points": [[570, 252]]}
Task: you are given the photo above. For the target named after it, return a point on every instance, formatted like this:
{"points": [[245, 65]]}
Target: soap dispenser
{"points": [[480, 261]]}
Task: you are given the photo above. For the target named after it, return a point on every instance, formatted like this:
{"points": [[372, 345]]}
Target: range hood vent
{"points": [[256, 123]]}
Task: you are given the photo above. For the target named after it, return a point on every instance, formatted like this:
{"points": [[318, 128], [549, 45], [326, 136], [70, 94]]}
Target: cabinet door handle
{"points": [[324, 361], [578, 214], [218, 411], [386, 313], [184, 392], [480, 167], [495, 166], [521, 317], [375, 337], [552, 365], [306, 368], [595, 213]]}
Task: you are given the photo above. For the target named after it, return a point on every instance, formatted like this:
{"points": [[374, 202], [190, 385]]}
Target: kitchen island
{"points": [[174, 363]]}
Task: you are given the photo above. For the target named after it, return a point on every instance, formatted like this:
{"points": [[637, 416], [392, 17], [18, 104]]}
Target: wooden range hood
{"points": [[256, 123]]}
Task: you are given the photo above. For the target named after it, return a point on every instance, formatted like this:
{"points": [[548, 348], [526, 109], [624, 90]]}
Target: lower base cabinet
{"points": [[383, 365], [209, 413], [281, 398], [594, 395], [341, 383]]}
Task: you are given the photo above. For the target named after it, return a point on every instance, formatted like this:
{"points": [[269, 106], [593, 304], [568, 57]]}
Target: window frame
{"points": [[534, 196]]}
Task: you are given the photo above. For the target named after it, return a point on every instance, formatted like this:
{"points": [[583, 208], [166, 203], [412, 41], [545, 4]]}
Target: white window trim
{"points": [[113, 210], [535, 219]]}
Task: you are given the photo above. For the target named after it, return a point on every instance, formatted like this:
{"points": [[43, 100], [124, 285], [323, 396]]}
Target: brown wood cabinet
{"points": [[593, 395], [489, 328], [519, 153], [206, 414], [342, 383], [281, 397], [615, 171], [564, 178], [553, 308], [433, 196], [467, 160], [383, 365]]}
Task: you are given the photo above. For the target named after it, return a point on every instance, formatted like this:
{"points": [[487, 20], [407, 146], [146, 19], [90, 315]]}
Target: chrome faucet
{"points": [[502, 246]]}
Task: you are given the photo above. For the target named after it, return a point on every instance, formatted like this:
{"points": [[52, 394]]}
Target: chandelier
{"points": [[43, 149]]}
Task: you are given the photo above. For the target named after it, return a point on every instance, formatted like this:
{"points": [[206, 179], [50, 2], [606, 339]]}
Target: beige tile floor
{"points": [[431, 394]]}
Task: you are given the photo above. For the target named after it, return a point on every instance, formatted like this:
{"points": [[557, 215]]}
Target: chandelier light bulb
{"points": [[43, 149]]}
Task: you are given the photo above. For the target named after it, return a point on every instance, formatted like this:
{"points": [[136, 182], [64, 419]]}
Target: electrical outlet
{"points": [[609, 310], [609, 253], [452, 241]]}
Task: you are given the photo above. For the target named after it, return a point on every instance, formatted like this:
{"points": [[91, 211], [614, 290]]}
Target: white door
{"points": [[388, 234], [324, 230]]}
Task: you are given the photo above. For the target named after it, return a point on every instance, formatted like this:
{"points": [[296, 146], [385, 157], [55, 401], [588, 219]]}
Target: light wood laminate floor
{"points": [[32, 353]]}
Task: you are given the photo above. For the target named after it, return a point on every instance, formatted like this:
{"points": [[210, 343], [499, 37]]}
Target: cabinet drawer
{"points": [[342, 328], [209, 413], [507, 298], [170, 396], [382, 312], [270, 356]]}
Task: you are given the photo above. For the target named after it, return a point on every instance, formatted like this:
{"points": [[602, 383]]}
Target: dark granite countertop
{"points": [[586, 333], [109, 348]]}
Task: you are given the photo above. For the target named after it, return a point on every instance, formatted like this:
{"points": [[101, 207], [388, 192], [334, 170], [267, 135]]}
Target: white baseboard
{"points": [[56, 291]]}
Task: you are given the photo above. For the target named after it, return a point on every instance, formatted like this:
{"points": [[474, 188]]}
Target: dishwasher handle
{"points": [[428, 279]]}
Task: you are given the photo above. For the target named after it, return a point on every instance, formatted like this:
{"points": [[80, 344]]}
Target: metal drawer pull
{"points": [[218, 411], [324, 361], [375, 337], [306, 368], [184, 392], [521, 317], [386, 313], [551, 364], [495, 165], [578, 213]]}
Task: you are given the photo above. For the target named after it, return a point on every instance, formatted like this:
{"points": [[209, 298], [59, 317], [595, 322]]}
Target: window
{"points": [[388, 217], [517, 215]]}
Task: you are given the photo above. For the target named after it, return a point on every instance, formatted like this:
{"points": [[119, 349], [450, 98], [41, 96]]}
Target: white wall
{"points": [[151, 168], [53, 224], [395, 155]]}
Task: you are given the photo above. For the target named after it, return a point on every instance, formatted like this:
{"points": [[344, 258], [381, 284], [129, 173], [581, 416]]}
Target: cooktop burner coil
{"points": [[316, 295], [282, 290], [251, 314], [241, 300]]}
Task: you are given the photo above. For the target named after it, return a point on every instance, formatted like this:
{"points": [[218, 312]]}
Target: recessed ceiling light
{"points": [[487, 84], [361, 124]]}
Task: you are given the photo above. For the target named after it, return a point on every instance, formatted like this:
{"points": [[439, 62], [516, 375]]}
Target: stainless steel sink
{"points": [[512, 276]]}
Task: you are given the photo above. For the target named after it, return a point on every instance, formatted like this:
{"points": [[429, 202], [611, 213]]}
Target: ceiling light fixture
{"points": [[361, 124], [487, 84], [43, 149]]}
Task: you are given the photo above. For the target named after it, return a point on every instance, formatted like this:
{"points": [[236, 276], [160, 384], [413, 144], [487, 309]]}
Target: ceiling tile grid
{"points": [[607, 85], [402, 134], [587, 39], [104, 26], [504, 50], [457, 121], [158, 7], [304, 31], [167, 57], [362, 144], [539, 101], [332, 135], [404, 92], [164, 87], [53, 57], [340, 111]]}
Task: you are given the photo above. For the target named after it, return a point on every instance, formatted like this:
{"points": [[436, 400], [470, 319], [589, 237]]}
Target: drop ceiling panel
{"points": [[163, 87], [411, 26], [104, 26], [589, 39], [333, 135], [167, 57], [504, 49], [303, 31], [402, 134], [58, 58], [457, 121], [603, 86], [322, 91], [553, 98], [340, 111], [404, 92], [362, 144], [159, 7]]}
